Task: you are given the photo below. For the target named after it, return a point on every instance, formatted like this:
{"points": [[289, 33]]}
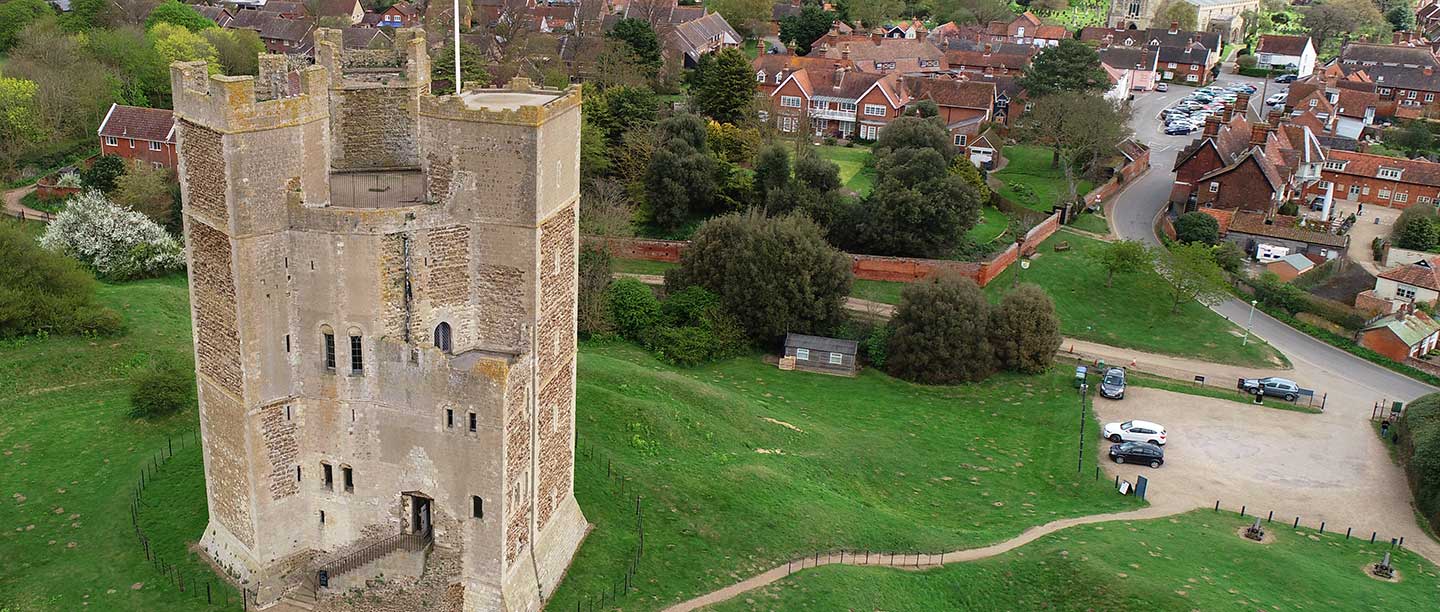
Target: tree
{"points": [[962, 167], [473, 70], [817, 172], [644, 45], [104, 173], [1413, 138], [145, 189], [605, 209], [173, 12], [872, 13], [15, 15], [73, 90], [1327, 19], [914, 132], [634, 311], [177, 44], [806, 28], [1172, 11], [772, 169], [1197, 227], [1123, 257], [723, 86], [45, 292], [1082, 128], [1417, 228], [924, 108], [681, 179], [1070, 67], [1025, 331], [940, 333], [143, 75], [86, 15], [238, 51], [918, 209], [1191, 274], [748, 15], [620, 109], [20, 123], [594, 150], [116, 243], [163, 388], [773, 274], [592, 308]]}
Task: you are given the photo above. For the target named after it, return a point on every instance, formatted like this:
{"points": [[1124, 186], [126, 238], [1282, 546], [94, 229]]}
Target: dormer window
{"points": [[1334, 165], [777, 78], [760, 77], [1389, 173]]}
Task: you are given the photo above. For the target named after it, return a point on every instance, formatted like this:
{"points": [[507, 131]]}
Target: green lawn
{"points": [[992, 225], [71, 456], [1194, 561], [1092, 223], [1134, 313], [752, 48], [743, 466], [640, 266], [1030, 181], [857, 172], [886, 292]]}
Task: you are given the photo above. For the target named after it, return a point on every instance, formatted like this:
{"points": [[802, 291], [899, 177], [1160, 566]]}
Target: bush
{"points": [[634, 310], [69, 179], [116, 243], [940, 333], [103, 173], [1275, 292], [165, 387], [1025, 330], [1229, 257], [1417, 228], [1246, 62], [42, 292], [1419, 433], [1197, 227]]}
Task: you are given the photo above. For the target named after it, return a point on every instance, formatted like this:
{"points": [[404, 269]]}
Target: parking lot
{"points": [[1188, 114]]}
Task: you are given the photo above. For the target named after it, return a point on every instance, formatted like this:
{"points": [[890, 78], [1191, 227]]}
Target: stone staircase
{"points": [[400, 555]]}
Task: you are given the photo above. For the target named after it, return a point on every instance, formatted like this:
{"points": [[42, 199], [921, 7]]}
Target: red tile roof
{"points": [[139, 123], [953, 92], [1282, 45], [1423, 274], [1222, 216], [1413, 171], [1281, 226]]}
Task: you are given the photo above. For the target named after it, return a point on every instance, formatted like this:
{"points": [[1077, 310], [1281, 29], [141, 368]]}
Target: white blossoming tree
{"points": [[116, 242]]}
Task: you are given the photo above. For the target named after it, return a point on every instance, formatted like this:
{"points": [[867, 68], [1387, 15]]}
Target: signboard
{"points": [[1140, 483]]}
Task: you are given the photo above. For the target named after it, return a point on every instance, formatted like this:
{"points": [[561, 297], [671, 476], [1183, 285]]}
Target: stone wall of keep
{"points": [[492, 168], [203, 168], [555, 427], [373, 127], [227, 468], [212, 298], [518, 499], [447, 265], [557, 290], [277, 436]]}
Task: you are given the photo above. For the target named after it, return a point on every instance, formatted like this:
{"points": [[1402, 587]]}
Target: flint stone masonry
{"points": [[276, 262]]}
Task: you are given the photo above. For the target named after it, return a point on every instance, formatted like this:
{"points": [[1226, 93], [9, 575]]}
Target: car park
{"points": [[1272, 386], [1112, 385], [1135, 431], [1137, 452], [1178, 130]]}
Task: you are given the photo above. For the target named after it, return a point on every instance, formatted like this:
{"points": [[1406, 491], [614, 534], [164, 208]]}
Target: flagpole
{"points": [[456, 15]]}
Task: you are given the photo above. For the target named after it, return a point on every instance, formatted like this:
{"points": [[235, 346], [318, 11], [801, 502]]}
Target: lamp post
{"points": [[1251, 321], [1080, 459]]}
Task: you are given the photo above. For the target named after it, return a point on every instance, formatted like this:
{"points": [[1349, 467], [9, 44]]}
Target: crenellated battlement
{"points": [[405, 64], [519, 103], [233, 104]]}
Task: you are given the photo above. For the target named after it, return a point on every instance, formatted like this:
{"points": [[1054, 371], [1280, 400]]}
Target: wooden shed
{"points": [[823, 355]]}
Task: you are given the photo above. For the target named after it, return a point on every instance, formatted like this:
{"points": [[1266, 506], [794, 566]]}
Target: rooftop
{"points": [[507, 100]]}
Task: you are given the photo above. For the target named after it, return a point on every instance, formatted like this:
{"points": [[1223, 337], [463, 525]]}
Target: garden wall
{"points": [[865, 267]]}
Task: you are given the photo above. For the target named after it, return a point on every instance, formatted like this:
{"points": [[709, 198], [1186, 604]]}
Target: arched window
{"points": [[442, 336]]}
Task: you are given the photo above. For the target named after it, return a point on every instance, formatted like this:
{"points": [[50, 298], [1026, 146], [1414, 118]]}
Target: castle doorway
{"points": [[420, 507]]}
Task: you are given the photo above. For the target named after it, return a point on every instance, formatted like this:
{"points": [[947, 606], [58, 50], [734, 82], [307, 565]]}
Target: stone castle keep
{"points": [[383, 290]]}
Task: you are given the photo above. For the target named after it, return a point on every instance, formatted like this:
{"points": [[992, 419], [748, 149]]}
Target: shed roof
{"points": [[821, 343], [1298, 261], [1412, 328]]}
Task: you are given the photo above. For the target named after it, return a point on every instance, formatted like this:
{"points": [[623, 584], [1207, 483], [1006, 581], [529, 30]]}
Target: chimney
{"points": [[1242, 103], [1258, 132], [988, 48], [876, 37], [1174, 27], [1275, 116], [1428, 70], [845, 51], [1212, 126]]}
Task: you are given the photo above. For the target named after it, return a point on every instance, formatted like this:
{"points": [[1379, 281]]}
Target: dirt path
{"points": [[14, 208], [915, 561]]}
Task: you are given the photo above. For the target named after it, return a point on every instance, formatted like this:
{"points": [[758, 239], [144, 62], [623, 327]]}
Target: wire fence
{"points": [[195, 584], [626, 579]]}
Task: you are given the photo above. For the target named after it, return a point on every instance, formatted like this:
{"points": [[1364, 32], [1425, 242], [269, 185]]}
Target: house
{"points": [[218, 14], [1402, 335], [823, 355], [1119, 84], [399, 15], [1189, 64], [344, 9], [139, 135], [965, 105], [877, 54], [1377, 180], [833, 99], [1404, 75], [912, 29], [1026, 29], [1414, 283], [365, 38], [1183, 56], [987, 61], [1244, 165], [1272, 238], [287, 36], [1290, 266], [697, 37], [1278, 52], [661, 14], [1140, 62]]}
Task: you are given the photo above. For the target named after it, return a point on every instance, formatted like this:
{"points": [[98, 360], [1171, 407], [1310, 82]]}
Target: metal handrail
{"points": [[355, 559]]}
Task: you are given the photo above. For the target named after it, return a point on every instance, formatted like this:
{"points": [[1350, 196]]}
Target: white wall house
{"points": [[1284, 52]]}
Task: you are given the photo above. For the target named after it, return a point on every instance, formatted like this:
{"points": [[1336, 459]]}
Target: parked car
{"points": [[1272, 386], [1136, 431], [1286, 78], [1112, 385], [1278, 98], [1137, 452], [1162, 88], [1178, 130]]}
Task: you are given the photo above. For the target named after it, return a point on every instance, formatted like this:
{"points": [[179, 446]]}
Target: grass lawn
{"points": [[1092, 223], [885, 292], [743, 466], [640, 266], [1030, 181], [1194, 561], [71, 455], [752, 48], [992, 225], [1134, 313], [856, 171]]}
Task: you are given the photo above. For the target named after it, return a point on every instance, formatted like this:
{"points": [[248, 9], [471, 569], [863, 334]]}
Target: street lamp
{"points": [[1246, 340], [1080, 459]]}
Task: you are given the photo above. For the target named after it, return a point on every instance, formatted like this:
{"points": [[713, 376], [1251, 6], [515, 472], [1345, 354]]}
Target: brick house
{"points": [[139, 135], [698, 37], [987, 61], [399, 15], [1271, 238], [1026, 29], [1184, 56], [1401, 335], [344, 9], [1237, 164], [836, 100], [1377, 180], [1414, 283], [1407, 76], [1189, 64], [877, 54], [965, 105]]}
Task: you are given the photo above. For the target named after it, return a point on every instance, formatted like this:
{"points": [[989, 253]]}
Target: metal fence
{"points": [[625, 579], [1296, 524], [196, 585]]}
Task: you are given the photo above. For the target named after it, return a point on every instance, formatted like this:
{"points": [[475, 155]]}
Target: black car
{"points": [[1113, 384], [1286, 78], [1137, 452]]}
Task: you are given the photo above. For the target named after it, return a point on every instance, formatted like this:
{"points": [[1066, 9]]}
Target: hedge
{"points": [[1419, 433]]}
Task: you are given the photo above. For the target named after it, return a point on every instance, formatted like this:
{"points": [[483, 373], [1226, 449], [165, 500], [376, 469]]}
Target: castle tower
{"points": [[383, 290]]}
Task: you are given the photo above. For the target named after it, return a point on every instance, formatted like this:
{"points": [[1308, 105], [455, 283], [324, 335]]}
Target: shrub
{"points": [[592, 312], [165, 387], [69, 179], [103, 173], [1417, 228], [1025, 330], [940, 333], [1197, 227], [1229, 257], [1275, 292], [716, 336], [1419, 433], [1246, 61], [116, 243], [634, 310], [43, 292]]}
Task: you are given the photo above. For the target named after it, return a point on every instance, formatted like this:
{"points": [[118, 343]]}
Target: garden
{"points": [[857, 167], [1029, 181]]}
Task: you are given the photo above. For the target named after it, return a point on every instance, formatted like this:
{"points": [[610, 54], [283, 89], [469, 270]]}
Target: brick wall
{"points": [[204, 170], [1385, 343], [212, 286]]}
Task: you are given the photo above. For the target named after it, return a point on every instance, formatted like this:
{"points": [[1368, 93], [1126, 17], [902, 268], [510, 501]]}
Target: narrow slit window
{"points": [[297, 473], [357, 355], [328, 474], [477, 507], [287, 343], [322, 517], [348, 476], [472, 422], [449, 418]]}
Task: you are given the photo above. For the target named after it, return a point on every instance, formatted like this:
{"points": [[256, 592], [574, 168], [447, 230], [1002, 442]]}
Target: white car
{"points": [[1278, 98], [1136, 431]]}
